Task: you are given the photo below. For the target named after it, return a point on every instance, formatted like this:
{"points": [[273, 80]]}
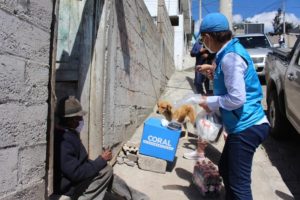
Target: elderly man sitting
{"points": [[76, 175]]}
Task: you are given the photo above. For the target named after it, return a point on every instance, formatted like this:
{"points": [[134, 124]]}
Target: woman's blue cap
{"points": [[214, 22]]}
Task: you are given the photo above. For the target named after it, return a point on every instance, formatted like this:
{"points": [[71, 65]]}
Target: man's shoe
{"points": [[194, 155]]}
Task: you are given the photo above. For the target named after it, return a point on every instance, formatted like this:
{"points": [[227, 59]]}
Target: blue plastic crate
{"points": [[158, 141]]}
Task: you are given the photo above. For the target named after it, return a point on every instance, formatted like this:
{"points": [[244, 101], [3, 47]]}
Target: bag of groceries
{"points": [[209, 126], [194, 99]]}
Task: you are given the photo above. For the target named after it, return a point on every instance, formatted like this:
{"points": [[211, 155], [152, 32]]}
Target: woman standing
{"points": [[237, 94]]}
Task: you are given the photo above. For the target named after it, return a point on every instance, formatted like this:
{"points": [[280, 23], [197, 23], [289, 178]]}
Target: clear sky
{"points": [[247, 8], [260, 11]]}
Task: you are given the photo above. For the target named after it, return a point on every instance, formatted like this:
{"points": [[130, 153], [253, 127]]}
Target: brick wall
{"points": [[24, 74]]}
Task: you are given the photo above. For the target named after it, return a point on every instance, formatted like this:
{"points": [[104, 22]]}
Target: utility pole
{"points": [[226, 9], [283, 19], [200, 10]]}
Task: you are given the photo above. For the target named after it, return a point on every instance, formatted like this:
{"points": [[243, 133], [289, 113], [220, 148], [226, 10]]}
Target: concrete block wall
{"points": [[290, 40], [138, 65], [25, 29], [166, 30], [164, 26]]}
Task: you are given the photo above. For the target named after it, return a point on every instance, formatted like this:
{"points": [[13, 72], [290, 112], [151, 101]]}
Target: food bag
{"points": [[209, 126], [194, 99]]}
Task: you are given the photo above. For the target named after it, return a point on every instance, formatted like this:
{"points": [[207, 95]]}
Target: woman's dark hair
{"points": [[220, 37]]}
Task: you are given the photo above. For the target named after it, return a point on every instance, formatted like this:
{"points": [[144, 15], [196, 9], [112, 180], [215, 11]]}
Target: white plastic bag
{"points": [[208, 126], [194, 99]]}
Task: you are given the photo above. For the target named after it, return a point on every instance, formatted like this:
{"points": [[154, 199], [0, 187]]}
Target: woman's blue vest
{"points": [[251, 112]]}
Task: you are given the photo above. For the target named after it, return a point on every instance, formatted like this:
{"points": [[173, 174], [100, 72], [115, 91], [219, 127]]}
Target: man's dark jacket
{"points": [[195, 52], [71, 164]]}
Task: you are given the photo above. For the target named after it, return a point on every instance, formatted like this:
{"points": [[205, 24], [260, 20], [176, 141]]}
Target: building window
{"points": [[174, 20]]}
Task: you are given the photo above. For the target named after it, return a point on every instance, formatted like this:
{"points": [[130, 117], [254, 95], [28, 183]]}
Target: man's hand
{"points": [[203, 68], [210, 74], [106, 155], [204, 105], [207, 70]]}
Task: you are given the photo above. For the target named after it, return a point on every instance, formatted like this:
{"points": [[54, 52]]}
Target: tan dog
{"points": [[183, 114]]}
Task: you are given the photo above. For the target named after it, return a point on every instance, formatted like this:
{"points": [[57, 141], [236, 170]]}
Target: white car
{"points": [[258, 46]]}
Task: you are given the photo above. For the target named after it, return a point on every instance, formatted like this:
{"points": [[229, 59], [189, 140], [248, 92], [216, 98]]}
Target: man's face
{"points": [[73, 122]]}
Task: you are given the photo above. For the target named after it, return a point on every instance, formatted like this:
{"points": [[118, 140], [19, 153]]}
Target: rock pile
{"points": [[131, 157], [129, 154]]}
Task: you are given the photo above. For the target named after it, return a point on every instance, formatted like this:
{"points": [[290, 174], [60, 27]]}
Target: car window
{"points": [[254, 42]]}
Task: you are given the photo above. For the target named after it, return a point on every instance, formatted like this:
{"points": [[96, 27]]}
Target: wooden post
{"points": [[97, 84]]}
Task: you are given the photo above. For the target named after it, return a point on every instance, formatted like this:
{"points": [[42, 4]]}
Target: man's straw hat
{"points": [[73, 108]]}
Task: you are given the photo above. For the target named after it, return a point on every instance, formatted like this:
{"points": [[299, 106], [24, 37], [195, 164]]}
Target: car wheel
{"points": [[277, 120]]}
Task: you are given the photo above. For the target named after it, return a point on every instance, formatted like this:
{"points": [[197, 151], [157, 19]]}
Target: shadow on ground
{"points": [[210, 152], [283, 195], [191, 82], [190, 191], [284, 155]]}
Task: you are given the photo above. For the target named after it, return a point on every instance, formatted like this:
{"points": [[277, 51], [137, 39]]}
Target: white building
{"points": [[180, 16]]}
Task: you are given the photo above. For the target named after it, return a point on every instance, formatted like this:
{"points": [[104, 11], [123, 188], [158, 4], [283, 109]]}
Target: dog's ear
{"points": [[169, 107]]}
